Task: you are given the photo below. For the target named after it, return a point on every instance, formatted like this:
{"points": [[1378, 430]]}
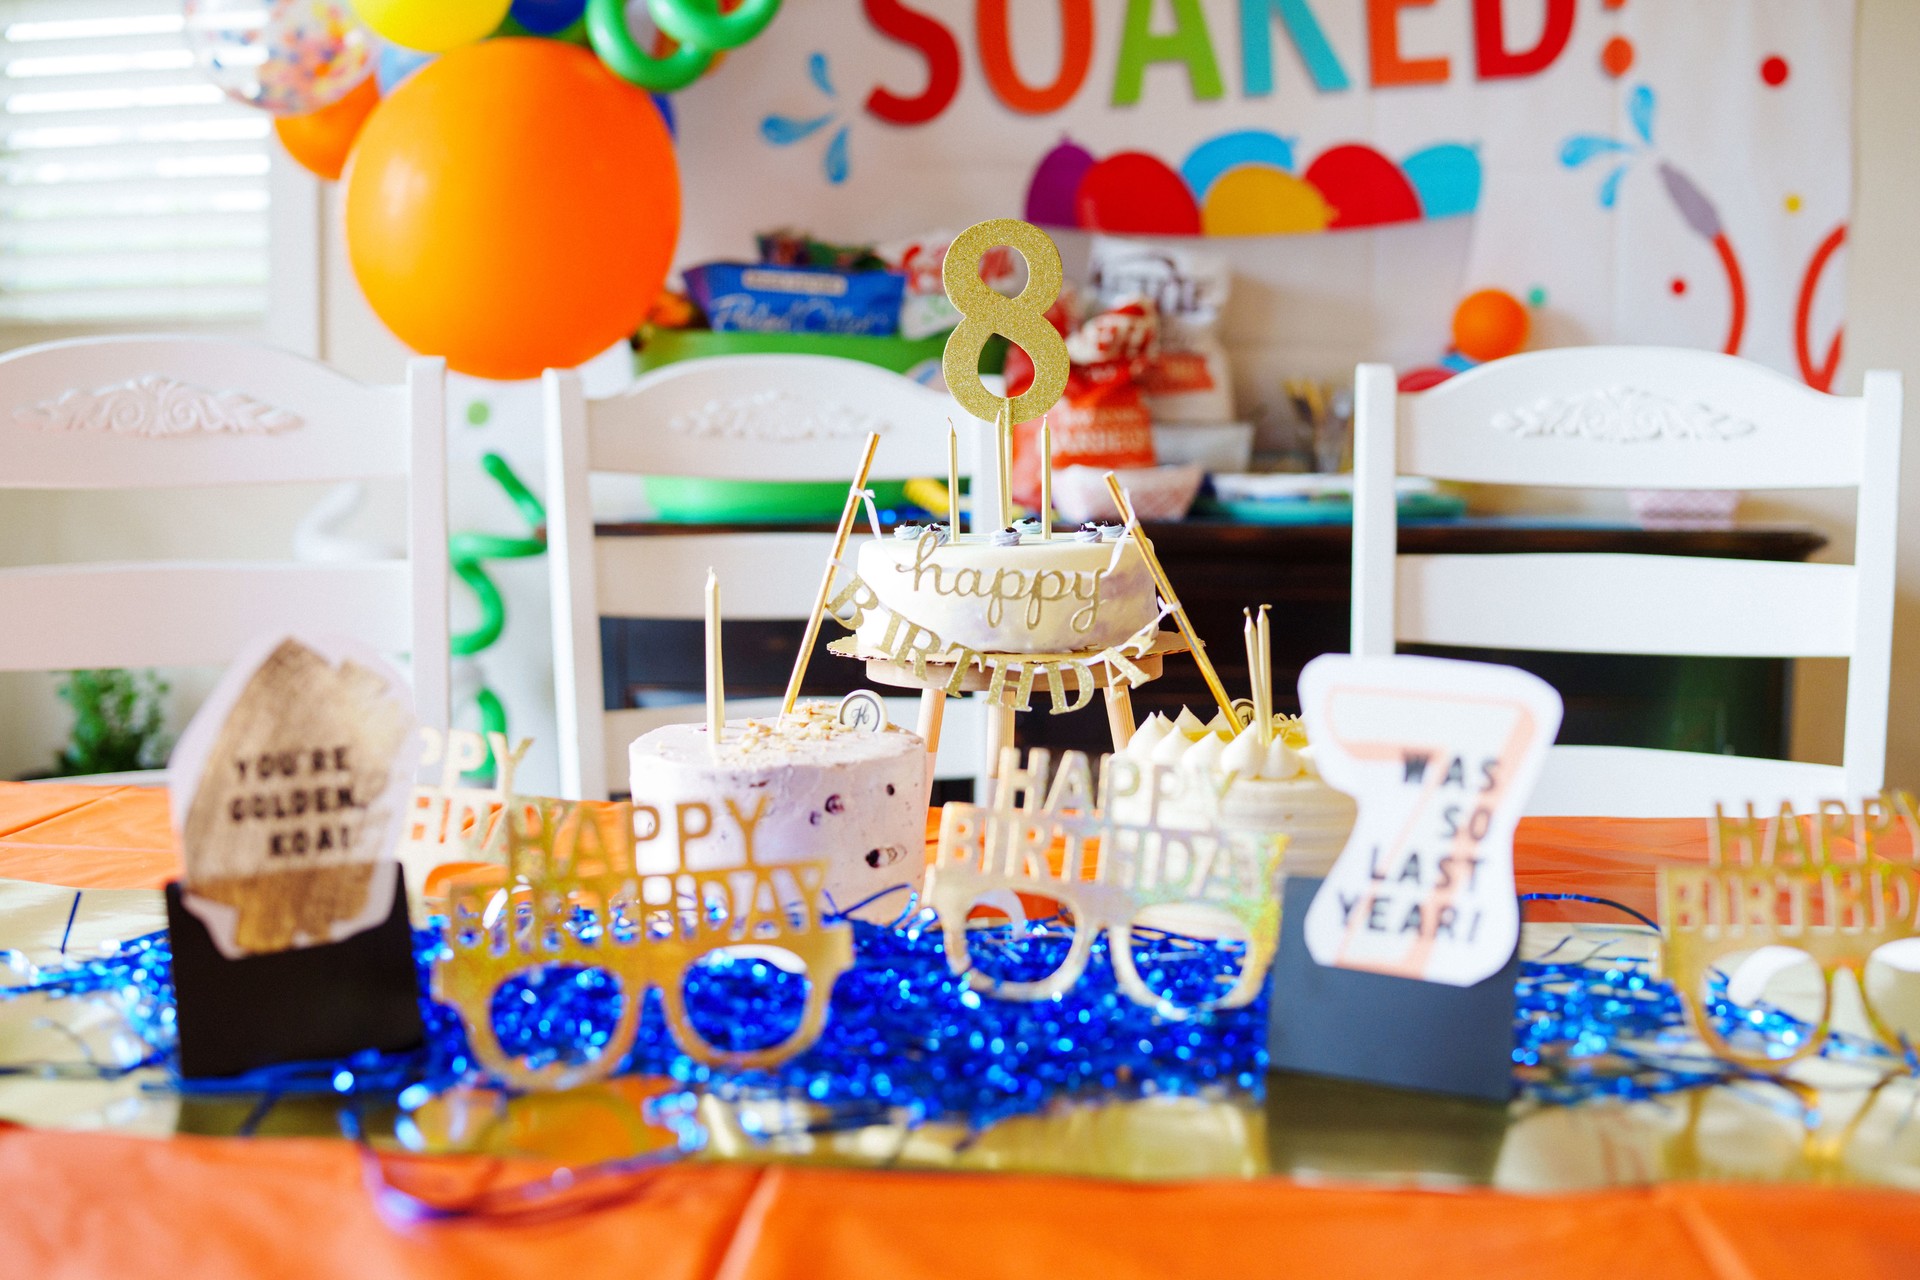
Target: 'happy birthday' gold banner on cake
{"points": [[1817, 887], [1191, 890], [1012, 676], [574, 893]]}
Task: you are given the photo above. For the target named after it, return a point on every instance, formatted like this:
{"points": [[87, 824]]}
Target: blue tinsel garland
{"points": [[904, 1033]]}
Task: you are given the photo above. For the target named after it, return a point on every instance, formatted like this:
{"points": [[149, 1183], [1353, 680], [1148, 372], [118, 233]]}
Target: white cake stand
{"points": [[976, 678]]}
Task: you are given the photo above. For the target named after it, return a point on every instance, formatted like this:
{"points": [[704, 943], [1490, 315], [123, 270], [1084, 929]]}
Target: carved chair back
{"points": [[1640, 418], [763, 417], [178, 412]]}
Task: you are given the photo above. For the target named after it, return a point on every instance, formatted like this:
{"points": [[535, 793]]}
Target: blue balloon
{"points": [[396, 64], [547, 17], [1446, 178], [665, 104], [1204, 165]]}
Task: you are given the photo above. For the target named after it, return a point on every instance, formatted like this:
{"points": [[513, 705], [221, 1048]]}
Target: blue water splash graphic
{"points": [[1640, 112], [1584, 148], [1610, 189], [836, 161], [785, 131]]}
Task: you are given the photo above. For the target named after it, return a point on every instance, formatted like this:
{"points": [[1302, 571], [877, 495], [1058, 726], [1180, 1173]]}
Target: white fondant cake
{"points": [[1066, 594], [1274, 788], [853, 799]]}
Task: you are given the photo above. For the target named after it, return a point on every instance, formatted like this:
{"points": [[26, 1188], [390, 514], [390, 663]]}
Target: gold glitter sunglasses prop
{"points": [[573, 895], [1780, 906], [1170, 897]]}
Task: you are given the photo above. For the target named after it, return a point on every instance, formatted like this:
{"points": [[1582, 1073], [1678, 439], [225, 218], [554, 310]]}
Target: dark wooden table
{"points": [[1738, 705]]}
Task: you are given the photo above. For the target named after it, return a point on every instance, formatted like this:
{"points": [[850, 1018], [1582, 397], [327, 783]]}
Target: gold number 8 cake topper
{"points": [[1021, 319]]}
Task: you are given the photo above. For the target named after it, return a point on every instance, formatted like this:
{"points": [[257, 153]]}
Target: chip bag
{"points": [[1102, 419], [1188, 379]]}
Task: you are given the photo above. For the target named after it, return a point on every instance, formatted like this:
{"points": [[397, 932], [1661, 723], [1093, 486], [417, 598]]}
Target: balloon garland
{"points": [[346, 78], [697, 26]]}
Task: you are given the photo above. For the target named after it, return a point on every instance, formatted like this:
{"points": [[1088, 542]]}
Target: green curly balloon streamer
{"points": [[699, 23], [469, 553], [611, 38]]}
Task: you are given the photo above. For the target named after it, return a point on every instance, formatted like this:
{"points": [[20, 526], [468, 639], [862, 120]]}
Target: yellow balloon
{"points": [[1260, 200], [433, 26]]}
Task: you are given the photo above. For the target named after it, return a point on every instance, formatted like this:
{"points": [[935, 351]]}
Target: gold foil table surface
{"points": [[1312, 1129]]}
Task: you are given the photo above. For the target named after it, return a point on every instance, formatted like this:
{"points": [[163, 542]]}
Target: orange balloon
{"points": [[1490, 324], [321, 139], [513, 206]]}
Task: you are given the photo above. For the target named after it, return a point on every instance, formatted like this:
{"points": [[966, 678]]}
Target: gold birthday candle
{"points": [[1046, 479]]}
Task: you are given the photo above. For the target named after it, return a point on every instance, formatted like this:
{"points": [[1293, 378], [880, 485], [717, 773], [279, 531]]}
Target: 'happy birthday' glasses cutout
{"points": [[1780, 906], [573, 895], [453, 819], [1024, 887]]}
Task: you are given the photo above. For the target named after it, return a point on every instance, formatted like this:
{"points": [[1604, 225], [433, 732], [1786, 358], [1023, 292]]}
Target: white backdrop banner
{"points": [[1672, 171]]}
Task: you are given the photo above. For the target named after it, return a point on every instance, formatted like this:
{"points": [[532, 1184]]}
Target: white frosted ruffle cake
{"points": [[1274, 788]]}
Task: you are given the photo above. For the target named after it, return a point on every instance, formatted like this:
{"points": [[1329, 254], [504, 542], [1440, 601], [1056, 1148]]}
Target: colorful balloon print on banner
{"points": [[1249, 183]]}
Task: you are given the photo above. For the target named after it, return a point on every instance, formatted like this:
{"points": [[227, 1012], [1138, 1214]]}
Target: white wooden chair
{"points": [[785, 417], [177, 412], [1641, 418]]}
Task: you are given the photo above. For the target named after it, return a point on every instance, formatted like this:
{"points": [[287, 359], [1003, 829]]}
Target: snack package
{"points": [[925, 309], [1101, 420], [1189, 380], [789, 248], [740, 298]]}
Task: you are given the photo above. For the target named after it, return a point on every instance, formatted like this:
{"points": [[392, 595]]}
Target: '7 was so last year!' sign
{"points": [[1399, 967]]}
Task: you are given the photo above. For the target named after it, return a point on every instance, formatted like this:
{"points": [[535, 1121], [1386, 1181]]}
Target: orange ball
{"points": [[513, 207], [321, 139], [1490, 324]]}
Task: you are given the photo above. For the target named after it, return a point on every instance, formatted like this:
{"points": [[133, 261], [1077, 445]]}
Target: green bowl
{"points": [[689, 500]]}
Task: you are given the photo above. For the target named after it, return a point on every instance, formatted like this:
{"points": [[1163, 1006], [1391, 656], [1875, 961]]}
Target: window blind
{"points": [[131, 188]]}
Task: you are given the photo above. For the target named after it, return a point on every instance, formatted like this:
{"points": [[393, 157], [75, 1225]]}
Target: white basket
{"points": [[1157, 493]]}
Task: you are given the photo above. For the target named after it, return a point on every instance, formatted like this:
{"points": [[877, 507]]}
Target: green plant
{"points": [[118, 719]]}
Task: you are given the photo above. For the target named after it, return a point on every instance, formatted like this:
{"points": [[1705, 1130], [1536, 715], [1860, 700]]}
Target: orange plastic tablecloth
{"points": [[119, 838], [123, 1208]]}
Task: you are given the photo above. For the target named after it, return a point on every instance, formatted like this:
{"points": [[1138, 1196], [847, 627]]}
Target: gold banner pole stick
{"points": [[1165, 588], [826, 579]]}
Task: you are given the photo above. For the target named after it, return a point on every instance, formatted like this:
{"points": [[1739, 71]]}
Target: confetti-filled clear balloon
{"points": [[289, 57]]}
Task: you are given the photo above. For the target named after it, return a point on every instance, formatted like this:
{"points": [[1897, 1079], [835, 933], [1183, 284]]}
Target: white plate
{"points": [[1273, 486]]}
